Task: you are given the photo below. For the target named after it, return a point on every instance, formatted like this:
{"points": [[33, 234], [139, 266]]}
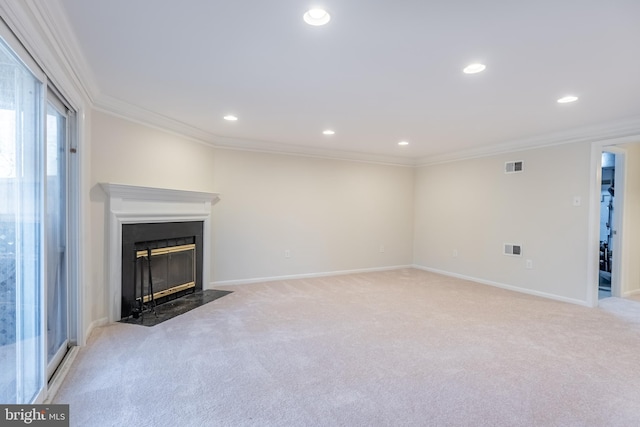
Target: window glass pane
{"points": [[21, 289], [7, 142], [55, 231]]}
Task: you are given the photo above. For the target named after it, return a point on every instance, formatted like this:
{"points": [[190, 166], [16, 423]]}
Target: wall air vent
{"points": [[513, 167], [513, 250]]}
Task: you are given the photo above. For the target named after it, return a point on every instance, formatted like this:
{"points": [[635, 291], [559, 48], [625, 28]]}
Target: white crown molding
{"points": [[588, 134], [306, 151], [133, 113], [55, 22], [611, 130], [43, 30], [146, 117]]}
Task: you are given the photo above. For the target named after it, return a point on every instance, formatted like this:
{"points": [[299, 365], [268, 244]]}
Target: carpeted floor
{"points": [[397, 348]]}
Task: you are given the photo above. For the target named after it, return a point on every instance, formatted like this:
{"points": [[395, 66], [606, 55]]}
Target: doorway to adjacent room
{"points": [[607, 231], [611, 222]]}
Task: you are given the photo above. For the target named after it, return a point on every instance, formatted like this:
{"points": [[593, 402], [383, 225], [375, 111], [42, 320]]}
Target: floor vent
{"points": [[511, 249], [513, 167]]}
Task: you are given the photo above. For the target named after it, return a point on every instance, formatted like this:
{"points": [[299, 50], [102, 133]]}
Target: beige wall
{"points": [[125, 152], [473, 207], [331, 215]]}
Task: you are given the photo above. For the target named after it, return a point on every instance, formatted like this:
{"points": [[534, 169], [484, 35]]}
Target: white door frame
{"points": [[619, 269]]}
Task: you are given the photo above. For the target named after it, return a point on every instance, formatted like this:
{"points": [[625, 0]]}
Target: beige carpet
{"points": [[398, 348]]}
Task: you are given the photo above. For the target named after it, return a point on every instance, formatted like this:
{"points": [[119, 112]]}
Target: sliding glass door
{"points": [[21, 231], [34, 290]]}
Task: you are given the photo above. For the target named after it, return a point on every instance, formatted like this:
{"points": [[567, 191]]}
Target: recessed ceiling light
{"points": [[474, 68], [328, 132], [567, 99], [403, 143], [316, 17], [230, 118]]}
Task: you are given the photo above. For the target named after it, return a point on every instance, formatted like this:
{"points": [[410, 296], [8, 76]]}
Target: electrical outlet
{"points": [[287, 253]]}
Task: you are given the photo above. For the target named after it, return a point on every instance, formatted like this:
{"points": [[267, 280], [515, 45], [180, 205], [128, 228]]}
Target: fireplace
{"points": [[160, 262], [149, 210]]}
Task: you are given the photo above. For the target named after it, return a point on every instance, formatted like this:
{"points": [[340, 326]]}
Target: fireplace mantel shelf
{"points": [[133, 192]]}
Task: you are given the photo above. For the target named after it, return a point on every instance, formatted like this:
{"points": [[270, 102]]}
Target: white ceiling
{"points": [[378, 73]]}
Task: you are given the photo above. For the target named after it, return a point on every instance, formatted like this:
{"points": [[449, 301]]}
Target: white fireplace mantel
{"points": [[129, 204]]}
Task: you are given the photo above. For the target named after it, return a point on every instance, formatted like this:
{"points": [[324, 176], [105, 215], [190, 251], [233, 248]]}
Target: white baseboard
{"points": [[303, 276], [504, 286], [631, 293], [95, 324]]}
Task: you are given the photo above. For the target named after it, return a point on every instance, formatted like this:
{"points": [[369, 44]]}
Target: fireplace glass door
{"points": [[171, 269]]}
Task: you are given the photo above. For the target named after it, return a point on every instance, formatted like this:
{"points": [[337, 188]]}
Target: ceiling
{"points": [[379, 72]]}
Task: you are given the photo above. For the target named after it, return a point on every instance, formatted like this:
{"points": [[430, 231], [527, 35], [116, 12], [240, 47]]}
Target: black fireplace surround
{"points": [[155, 235]]}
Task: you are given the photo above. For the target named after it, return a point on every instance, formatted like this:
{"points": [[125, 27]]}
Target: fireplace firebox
{"points": [[160, 262]]}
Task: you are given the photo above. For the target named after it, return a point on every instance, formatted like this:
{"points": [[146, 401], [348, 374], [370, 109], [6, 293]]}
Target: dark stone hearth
{"points": [[176, 307]]}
